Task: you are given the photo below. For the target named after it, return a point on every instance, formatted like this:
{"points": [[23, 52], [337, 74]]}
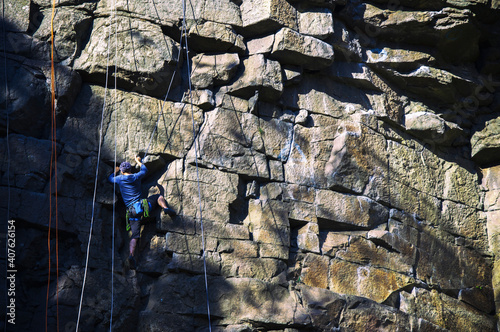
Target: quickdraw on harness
{"points": [[137, 211]]}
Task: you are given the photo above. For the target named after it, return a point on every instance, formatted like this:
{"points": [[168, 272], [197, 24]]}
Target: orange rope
{"points": [[53, 163]]}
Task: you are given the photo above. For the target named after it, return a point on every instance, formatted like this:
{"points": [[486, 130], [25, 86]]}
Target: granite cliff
{"points": [[341, 157]]}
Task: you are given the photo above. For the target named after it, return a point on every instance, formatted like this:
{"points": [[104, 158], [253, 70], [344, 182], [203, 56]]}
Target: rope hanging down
{"points": [[184, 28], [114, 183], [53, 163], [183, 33], [95, 182], [184, 38]]}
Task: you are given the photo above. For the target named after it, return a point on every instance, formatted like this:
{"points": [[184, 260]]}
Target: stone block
{"points": [[445, 311], [17, 16], [271, 250], [238, 248], [70, 28], [307, 238], [465, 267], [317, 23], [331, 242], [268, 214], [258, 73], [480, 297], [367, 252], [366, 281], [293, 48], [276, 170], [485, 143], [491, 178], [261, 16], [193, 263], [461, 185], [204, 99], [208, 70], [492, 200], [397, 57], [349, 211], [263, 45], [188, 244], [229, 102], [314, 271], [144, 73], [216, 37], [257, 268], [277, 306], [351, 73]]}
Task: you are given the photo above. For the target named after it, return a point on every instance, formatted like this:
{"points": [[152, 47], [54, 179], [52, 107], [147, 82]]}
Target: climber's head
{"points": [[125, 167]]}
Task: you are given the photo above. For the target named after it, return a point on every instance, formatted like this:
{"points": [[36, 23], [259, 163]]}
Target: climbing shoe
{"points": [[131, 262]]}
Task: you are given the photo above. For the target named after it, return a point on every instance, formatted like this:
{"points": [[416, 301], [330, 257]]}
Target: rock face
{"points": [[334, 165]]}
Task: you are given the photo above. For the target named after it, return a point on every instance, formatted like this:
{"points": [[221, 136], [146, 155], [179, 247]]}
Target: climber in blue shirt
{"points": [[137, 208]]}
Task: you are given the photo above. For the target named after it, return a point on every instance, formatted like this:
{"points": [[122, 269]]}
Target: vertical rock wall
{"points": [[346, 154]]}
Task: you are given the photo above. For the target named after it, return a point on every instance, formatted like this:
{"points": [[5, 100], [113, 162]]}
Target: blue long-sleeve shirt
{"points": [[130, 185]]}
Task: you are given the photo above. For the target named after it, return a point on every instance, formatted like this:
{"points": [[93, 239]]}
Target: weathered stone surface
{"points": [[356, 74], [187, 244], [262, 45], [260, 16], [181, 191], [307, 238], [204, 99], [363, 251], [255, 268], [465, 268], [480, 297], [350, 155], [363, 280], [398, 58], [294, 48], [349, 211], [439, 85], [218, 135], [353, 176], [29, 162], [28, 109], [431, 305], [281, 307], [146, 60], [486, 143], [16, 15], [208, 70], [216, 37], [82, 128], [447, 29], [331, 242], [314, 271], [169, 12], [429, 126], [259, 74], [317, 23], [68, 42]]}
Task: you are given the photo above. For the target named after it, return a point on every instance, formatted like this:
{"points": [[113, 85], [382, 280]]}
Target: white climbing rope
{"points": [[184, 29], [96, 180], [114, 182]]}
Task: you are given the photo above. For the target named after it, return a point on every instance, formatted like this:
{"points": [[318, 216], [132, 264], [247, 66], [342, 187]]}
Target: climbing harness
{"points": [[137, 211]]}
